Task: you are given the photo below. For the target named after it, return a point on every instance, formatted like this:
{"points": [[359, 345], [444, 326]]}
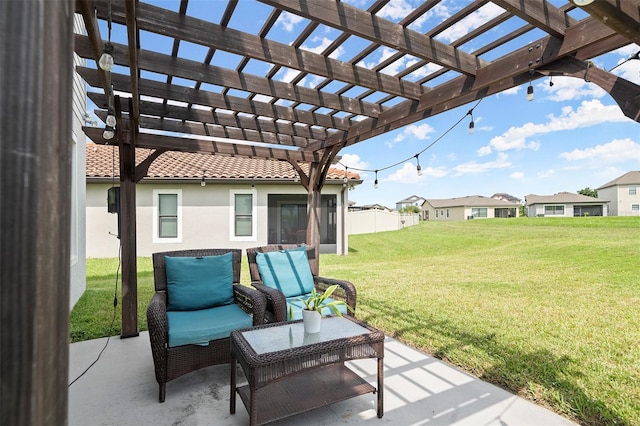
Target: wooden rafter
{"points": [[366, 25]]}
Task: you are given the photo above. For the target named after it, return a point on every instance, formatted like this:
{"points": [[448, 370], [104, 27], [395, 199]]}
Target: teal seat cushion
{"points": [[286, 270], [199, 282], [297, 306], [200, 327]]}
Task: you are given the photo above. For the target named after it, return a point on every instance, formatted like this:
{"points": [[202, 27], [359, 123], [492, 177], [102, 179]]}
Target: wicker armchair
{"points": [[173, 362], [276, 310]]}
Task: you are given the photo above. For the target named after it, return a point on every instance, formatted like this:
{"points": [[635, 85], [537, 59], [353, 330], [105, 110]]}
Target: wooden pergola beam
{"points": [[369, 26], [187, 28], [172, 143], [316, 123], [623, 16], [134, 73], [85, 7], [539, 13], [500, 74], [218, 76], [230, 122]]}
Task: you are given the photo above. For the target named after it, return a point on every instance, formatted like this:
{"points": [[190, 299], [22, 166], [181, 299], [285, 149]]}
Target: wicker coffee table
{"points": [[289, 372]]}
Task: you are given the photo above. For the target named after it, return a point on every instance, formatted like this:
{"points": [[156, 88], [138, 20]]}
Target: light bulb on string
{"points": [[418, 167], [202, 181], [111, 118], [472, 125], [345, 180], [375, 182], [108, 132], [530, 92], [106, 60]]}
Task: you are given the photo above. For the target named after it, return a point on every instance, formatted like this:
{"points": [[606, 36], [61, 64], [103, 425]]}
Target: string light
{"points": [[551, 81], [202, 181], [530, 92], [345, 180], [106, 60], [472, 125], [375, 184]]}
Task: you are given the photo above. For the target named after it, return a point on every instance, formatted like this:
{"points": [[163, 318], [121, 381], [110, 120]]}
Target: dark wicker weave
{"points": [[171, 363], [276, 303], [291, 381]]}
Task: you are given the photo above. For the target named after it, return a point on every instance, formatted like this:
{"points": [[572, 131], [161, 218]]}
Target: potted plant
{"points": [[314, 305]]}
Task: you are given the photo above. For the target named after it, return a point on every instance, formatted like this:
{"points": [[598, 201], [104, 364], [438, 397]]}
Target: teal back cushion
{"points": [[199, 282], [286, 270]]}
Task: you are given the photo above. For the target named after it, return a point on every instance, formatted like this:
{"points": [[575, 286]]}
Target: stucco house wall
{"points": [[465, 208], [565, 204], [623, 194], [205, 217]]}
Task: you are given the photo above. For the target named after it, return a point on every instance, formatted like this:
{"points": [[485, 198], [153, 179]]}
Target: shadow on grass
{"points": [[515, 370]]}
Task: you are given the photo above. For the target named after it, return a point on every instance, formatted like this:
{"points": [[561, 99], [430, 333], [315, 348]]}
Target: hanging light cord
{"points": [[636, 56], [470, 112]]}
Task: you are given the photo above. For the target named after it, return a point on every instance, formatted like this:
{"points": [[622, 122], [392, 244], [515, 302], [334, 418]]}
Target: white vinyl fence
{"points": [[368, 221]]}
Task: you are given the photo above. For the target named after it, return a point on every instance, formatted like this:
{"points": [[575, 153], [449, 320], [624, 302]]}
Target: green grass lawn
{"points": [[546, 308]]}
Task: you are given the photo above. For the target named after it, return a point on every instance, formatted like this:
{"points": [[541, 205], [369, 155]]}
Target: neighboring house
{"points": [[212, 201], [413, 200], [565, 204], [623, 194], [470, 207], [506, 197], [355, 208]]}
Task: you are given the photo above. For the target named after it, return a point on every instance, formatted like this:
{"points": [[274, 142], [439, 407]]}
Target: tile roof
{"points": [[103, 159], [629, 178], [470, 201], [562, 197]]}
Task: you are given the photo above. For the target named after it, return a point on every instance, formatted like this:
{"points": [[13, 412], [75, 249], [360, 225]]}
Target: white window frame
{"points": [[156, 224], [232, 215]]}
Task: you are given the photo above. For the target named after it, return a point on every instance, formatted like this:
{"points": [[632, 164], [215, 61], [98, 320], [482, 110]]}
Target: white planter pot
{"points": [[311, 321]]}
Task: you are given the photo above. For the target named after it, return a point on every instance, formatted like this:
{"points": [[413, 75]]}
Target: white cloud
{"points": [[440, 10], [589, 113], [409, 174], [501, 162], [628, 69], [517, 175], [616, 151], [289, 21], [395, 10], [546, 173], [470, 23], [353, 161], [324, 43], [420, 132], [570, 88]]}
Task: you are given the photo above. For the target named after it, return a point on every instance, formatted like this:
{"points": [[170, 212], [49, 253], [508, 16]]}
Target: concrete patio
{"points": [[120, 389]]}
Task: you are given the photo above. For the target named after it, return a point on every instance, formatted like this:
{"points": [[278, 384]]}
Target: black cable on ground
{"points": [[115, 304]]}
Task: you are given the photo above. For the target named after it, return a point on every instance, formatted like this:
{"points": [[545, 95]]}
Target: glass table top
{"points": [[292, 335]]}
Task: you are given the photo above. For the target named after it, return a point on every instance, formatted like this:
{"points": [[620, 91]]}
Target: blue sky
{"points": [[571, 136]]}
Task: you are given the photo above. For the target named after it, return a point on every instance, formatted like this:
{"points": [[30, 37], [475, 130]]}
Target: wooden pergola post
{"points": [[35, 209], [126, 144]]}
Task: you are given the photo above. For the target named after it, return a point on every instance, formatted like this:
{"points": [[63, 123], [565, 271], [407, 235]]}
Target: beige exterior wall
{"points": [[205, 216], [456, 213], [620, 201]]}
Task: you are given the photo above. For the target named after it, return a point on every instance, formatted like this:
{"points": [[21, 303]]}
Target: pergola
{"points": [[287, 120], [232, 111]]}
